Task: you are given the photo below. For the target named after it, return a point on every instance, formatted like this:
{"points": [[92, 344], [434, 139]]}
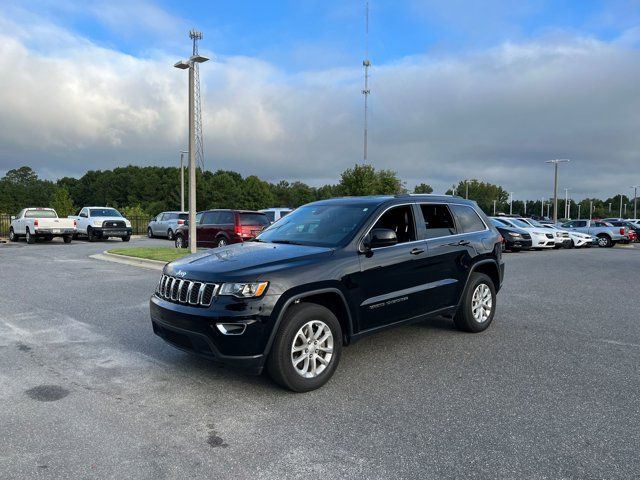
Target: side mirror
{"points": [[83, 215], [381, 237]]}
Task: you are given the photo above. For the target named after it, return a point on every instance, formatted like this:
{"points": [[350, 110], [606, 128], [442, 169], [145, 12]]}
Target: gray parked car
{"points": [[605, 235], [165, 224]]}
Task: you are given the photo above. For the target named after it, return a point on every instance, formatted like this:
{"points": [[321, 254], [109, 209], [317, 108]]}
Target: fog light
{"points": [[231, 328]]}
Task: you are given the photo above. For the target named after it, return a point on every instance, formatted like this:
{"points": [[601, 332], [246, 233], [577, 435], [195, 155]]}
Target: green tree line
{"points": [[146, 191]]}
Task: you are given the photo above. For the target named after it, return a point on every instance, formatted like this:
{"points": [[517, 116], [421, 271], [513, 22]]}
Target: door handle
{"points": [[461, 243], [417, 251], [464, 242]]}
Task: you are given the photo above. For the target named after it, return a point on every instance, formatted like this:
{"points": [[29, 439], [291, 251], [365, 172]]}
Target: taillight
{"points": [[35, 222], [180, 222], [75, 224], [238, 229], [621, 230]]}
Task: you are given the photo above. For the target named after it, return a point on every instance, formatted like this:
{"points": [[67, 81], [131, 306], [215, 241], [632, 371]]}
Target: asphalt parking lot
{"points": [[549, 391]]}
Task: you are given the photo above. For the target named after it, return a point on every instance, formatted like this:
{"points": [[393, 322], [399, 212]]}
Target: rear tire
{"points": [[170, 234], [30, 238], [222, 242], [478, 305], [317, 360], [12, 236]]}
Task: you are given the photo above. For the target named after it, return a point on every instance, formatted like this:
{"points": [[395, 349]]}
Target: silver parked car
{"points": [[165, 224]]}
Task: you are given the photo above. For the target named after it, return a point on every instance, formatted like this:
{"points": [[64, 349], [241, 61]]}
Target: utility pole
{"points": [[579, 211], [466, 184], [609, 207], [548, 208], [191, 65], [525, 208], [566, 203], [590, 209], [555, 186], [635, 201], [366, 63], [541, 207], [510, 203], [494, 208], [182, 152]]}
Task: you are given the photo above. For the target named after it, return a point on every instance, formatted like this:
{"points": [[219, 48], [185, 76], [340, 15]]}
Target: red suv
{"points": [[217, 228]]}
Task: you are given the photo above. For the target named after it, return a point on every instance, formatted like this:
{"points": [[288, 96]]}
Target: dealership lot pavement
{"points": [[549, 391]]}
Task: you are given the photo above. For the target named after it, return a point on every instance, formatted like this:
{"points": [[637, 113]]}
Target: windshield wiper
{"points": [[287, 242]]}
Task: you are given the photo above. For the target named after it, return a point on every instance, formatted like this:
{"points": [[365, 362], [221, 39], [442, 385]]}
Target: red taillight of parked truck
{"points": [[622, 231], [35, 222], [180, 222]]}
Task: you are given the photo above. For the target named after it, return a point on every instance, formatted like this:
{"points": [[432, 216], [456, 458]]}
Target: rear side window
{"points": [[171, 216], [227, 218], [271, 216], [183, 216], [580, 224], [438, 221], [468, 220], [210, 218], [253, 219]]}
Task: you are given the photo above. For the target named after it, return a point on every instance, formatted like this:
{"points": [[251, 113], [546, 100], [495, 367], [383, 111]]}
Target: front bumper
{"points": [[113, 232], [193, 329], [521, 243]]}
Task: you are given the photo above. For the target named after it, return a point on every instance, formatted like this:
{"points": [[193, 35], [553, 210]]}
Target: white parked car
{"points": [[562, 236], [275, 214], [540, 237], [101, 223], [578, 240], [33, 223]]}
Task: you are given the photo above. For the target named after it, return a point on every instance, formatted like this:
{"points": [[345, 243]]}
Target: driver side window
{"points": [[400, 220]]}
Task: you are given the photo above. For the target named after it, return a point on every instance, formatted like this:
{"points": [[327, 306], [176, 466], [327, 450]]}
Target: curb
{"points": [[127, 260]]}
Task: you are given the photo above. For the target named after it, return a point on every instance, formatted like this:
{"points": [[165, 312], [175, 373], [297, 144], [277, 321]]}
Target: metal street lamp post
{"points": [[182, 152], [635, 201], [510, 203], [590, 209], [190, 65], [466, 184], [494, 208], [566, 203], [620, 205], [555, 186], [579, 211]]}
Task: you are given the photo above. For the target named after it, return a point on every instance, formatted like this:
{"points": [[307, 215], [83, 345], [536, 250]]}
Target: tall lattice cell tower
{"points": [[366, 63], [195, 36]]}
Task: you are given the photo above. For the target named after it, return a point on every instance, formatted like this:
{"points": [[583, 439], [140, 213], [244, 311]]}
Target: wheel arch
{"points": [[331, 298], [488, 267]]}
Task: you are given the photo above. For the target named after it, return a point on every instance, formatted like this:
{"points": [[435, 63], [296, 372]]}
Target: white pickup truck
{"points": [[33, 223], [101, 223]]}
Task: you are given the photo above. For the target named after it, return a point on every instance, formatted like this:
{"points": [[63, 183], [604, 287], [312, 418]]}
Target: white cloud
{"points": [[496, 115]]}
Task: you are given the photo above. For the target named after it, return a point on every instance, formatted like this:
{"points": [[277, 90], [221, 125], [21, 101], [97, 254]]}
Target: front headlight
{"points": [[127, 223], [97, 223], [515, 234], [243, 290]]}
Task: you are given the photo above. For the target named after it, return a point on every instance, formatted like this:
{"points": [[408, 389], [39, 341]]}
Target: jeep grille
{"points": [[187, 292]]}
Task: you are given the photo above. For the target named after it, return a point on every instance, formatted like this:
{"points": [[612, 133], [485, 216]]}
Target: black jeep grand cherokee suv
{"points": [[326, 275]]}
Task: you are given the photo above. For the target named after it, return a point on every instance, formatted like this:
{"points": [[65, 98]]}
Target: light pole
{"points": [[635, 201], [182, 152], [609, 207], [620, 205], [542, 208], [548, 208], [579, 211], [590, 209], [466, 184], [510, 203], [566, 203], [190, 65], [494, 208], [555, 186]]}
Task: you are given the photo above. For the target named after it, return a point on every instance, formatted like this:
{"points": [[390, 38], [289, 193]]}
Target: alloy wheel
{"points": [[481, 303], [312, 349]]}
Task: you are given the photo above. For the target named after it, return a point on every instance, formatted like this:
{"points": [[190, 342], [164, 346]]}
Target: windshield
{"points": [[40, 214], [105, 212], [535, 223], [519, 223], [317, 225], [498, 223]]}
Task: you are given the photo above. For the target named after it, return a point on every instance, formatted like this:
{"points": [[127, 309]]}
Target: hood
{"points": [[249, 261], [540, 231], [108, 219]]}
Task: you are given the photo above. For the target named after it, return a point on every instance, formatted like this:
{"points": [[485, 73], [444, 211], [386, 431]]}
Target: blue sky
{"points": [[491, 87]]}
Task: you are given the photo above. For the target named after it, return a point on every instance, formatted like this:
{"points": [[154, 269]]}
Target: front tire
{"points": [[170, 234], [30, 238], [149, 233], [179, 242], [478, 304], [126, 238], [67, 239], [12, 236], [604, 241], [90, 235], [307, 348]]}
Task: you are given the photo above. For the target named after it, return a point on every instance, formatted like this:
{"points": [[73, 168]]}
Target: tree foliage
{"points": [[365, 180], [423, 188]]}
